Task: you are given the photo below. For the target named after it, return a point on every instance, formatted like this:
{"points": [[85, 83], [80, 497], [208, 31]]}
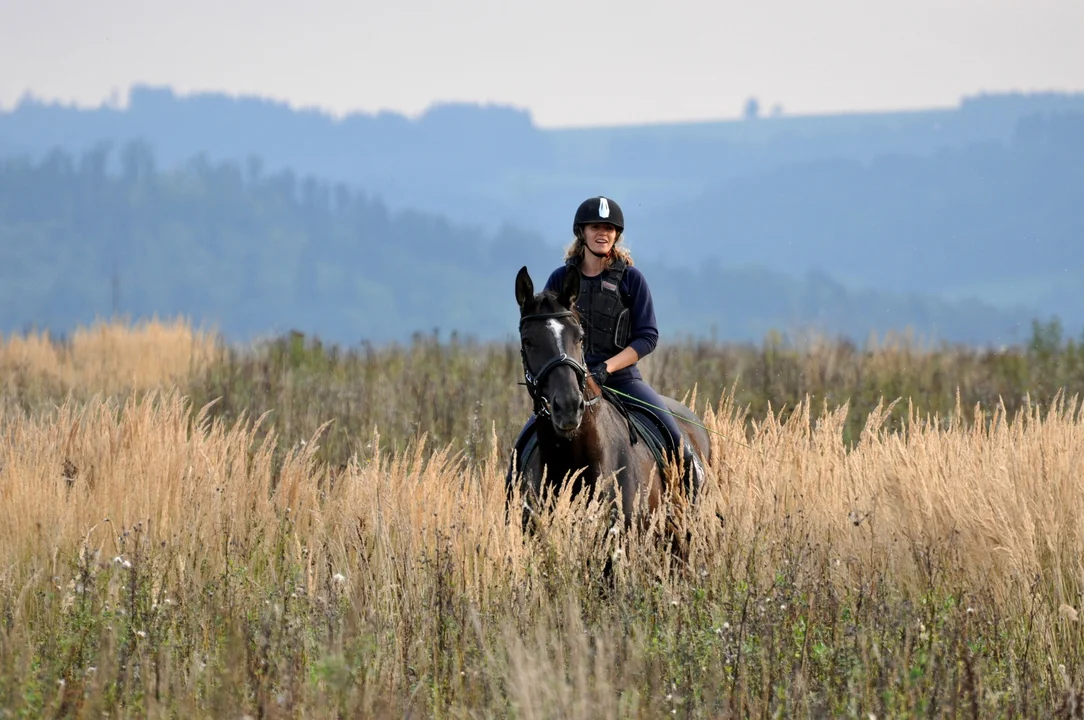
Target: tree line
{"points": [[107, 231]]}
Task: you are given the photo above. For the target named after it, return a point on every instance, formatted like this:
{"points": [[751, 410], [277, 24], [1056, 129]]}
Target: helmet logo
{"points": [[603, 208]]}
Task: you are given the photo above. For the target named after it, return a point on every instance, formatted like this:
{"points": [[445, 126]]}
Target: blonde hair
{"points": [[618, 251]]}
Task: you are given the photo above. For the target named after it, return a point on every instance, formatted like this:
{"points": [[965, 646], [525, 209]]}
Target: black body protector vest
{"points": [[604, 312]]}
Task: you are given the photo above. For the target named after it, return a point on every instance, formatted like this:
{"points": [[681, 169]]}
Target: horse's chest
{"points": [[567, 458]]}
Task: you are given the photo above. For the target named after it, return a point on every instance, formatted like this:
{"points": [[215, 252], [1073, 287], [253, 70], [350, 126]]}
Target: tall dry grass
{"points": [[156, 561], [107, 357]]}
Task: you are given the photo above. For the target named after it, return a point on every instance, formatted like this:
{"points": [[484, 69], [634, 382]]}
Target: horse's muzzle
{"points": [[566, 431], [567, 417]]}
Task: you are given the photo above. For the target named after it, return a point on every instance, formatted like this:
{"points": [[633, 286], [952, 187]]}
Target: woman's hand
{"points": [[599, 372]]}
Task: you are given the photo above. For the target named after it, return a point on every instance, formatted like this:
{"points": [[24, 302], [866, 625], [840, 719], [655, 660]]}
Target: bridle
{"points": [[535, 380]]}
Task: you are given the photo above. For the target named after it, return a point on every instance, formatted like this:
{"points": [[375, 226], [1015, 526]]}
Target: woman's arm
{"points": [[622, 360]]}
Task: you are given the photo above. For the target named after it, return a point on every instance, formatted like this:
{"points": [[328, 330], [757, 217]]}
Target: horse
{"points": [[582, 430]]}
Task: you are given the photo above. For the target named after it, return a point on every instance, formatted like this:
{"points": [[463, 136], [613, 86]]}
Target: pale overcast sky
{"points": [[570, 62]]}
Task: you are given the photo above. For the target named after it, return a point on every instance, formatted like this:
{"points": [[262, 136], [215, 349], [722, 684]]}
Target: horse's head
{"points": [[551, 341]]}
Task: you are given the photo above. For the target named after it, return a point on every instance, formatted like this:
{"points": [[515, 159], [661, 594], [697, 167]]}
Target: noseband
{"points": [[534, 381]]}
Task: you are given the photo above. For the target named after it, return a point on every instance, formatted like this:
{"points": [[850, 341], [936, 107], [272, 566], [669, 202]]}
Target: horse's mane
{"points": [[546, 302]]}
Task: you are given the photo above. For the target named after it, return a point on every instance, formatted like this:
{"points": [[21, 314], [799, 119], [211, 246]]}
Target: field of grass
{"points": [[193, 530]]}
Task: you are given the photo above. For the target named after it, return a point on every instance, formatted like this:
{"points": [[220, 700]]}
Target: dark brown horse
{"points": [[578, 427]]}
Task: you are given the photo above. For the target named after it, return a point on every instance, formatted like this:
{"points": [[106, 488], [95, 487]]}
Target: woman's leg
{"points": [[646, 396], [515, 462], [650, 399], [519, 473]]}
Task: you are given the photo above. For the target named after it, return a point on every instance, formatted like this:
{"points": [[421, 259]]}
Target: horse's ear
{"points": [[570, 288], [524, 286]]}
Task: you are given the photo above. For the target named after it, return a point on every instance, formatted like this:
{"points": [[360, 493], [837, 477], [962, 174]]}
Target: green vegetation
{"points": [[463, 393], [458, 392]]}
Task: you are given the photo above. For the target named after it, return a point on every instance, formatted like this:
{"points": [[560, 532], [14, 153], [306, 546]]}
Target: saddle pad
{"points": [[651, 431]]}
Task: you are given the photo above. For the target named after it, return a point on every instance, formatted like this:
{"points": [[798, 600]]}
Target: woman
{"points": [[615, 307]]}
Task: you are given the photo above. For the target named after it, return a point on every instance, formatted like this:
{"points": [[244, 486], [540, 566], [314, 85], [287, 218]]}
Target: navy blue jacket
{"points": [[643, 331]]}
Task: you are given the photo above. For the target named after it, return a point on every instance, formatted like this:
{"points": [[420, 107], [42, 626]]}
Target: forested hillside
{"points": [[255, 253], [217, 241]]}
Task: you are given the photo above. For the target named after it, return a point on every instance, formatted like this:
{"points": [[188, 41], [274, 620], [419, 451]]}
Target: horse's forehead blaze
{"points": [[563, 331], [558, 331]]}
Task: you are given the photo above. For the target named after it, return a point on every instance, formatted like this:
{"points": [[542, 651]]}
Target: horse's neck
{"points": [[586, 448]]}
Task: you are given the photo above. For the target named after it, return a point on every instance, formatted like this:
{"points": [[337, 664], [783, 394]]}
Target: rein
{"points": [[535, 380]]}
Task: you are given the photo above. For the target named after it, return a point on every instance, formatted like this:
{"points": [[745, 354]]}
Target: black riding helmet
{"points": [[599, 210]]}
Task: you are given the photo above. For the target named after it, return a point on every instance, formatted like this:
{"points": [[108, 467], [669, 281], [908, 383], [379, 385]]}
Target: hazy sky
{"points": [[571, 63]]}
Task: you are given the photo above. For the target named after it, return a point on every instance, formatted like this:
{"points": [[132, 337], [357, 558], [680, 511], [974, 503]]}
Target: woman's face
{"points": [[600, 237]]}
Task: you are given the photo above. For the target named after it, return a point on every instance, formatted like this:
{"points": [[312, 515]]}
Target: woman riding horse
{"points": [[618, 315]]}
